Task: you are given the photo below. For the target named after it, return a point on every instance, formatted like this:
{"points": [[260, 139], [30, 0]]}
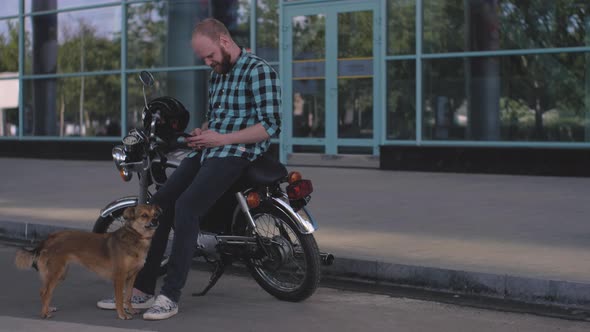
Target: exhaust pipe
{"points": [[326, 258]]}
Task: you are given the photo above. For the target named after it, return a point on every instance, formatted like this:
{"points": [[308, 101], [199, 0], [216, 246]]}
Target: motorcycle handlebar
{"points": [[180, 142]]}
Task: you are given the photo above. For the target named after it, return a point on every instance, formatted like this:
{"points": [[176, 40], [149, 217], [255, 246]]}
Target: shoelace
{"points": [[163, 303], [139, 298]]}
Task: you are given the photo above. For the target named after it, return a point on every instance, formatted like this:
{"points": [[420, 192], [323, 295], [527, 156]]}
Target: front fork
{"points": [[144, 184]]}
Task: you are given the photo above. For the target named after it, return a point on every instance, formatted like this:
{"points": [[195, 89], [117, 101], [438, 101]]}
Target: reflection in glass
{"points": [[401, 26], [355, 108], [309, 108], [235, 14], [267, 29], [77, 41], [73, 106], [61, 4], [9, 8], [189, 87], [401, 100], [159, 33], [154, 40], [476, 25], [355, 74], [9, 46], [309, 52], [8, 106], [530, 98]]}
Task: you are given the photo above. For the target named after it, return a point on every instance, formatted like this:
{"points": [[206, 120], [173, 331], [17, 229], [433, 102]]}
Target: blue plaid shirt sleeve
{"points": [[266, 90]]}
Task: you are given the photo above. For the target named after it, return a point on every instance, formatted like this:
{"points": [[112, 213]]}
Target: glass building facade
{"points": [[357, 74]]}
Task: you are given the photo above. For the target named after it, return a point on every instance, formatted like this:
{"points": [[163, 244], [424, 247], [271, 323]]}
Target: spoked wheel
{"points": [[115, 221], [287, 264]]}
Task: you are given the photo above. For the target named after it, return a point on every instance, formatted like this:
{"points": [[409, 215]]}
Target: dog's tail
{"points": [[25, 259]]}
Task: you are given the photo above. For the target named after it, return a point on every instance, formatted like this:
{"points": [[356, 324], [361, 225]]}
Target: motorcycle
{"points": [[262, 222]]}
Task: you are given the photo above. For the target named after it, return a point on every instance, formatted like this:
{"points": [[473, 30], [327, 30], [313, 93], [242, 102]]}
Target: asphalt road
{"points": [[523, 226], [239, 304]]}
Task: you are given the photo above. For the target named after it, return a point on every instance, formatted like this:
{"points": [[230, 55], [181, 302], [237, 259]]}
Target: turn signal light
{"points": [[294, 177], [125, 175], [253, 200], [299, 189]]}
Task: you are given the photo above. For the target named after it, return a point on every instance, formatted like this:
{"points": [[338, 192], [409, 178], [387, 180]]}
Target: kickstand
{"points": [[219, 268]]}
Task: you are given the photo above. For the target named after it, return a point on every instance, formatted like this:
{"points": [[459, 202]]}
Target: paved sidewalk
{"points": [[509, 236], [11, 324]]}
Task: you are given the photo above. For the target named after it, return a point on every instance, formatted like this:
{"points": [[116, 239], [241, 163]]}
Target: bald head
{"points": [[210, 28], [212, 43]]}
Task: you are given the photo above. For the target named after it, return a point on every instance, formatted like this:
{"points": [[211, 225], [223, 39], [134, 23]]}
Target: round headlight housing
{"points": [[119, 157]]}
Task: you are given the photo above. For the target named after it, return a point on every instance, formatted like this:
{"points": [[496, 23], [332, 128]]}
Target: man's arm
{"points": [[253, 134], [210, 138], [266, 89]]}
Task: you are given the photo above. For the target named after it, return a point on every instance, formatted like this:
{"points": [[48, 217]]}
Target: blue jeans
{"points": [[190, 192]]}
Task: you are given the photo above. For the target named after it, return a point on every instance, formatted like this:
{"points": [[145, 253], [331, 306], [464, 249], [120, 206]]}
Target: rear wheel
{"points": [[288, 263]]}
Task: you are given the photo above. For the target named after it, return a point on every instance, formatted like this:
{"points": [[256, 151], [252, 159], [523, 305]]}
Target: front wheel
{"points": [[288, 264]]}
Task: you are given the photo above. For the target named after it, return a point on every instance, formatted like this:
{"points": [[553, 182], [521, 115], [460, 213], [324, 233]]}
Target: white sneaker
{"points": [[137, 302], [162, 308]]}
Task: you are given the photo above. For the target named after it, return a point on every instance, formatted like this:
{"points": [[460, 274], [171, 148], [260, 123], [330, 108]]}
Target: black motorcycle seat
{"points": [[265, 171]]}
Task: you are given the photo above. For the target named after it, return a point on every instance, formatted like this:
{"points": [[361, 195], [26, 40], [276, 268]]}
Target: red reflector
{"points": [[299, 189]]}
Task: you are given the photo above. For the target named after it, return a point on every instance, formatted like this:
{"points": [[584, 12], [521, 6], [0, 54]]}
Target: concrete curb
{"points": [[530, 290], [27, 232]]}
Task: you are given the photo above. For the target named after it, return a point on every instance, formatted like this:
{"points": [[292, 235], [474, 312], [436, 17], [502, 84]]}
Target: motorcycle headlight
{"points": [[119, 157]]}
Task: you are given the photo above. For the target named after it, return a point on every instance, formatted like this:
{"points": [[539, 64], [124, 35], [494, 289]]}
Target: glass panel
{"points": [[486, 25], [9, 8], [401, 26], [355, 74], [189, 87], [80, 41], [267, 29], [9, 88], [309, 149], [309, 70], [73, 106], [8, 107], [401, 100], [235, 14], [159, 33], [41, 5], [512, 98], [8, 48]]}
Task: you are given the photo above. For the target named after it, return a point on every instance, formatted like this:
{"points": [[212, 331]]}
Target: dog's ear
{"points": [[129, 213]]}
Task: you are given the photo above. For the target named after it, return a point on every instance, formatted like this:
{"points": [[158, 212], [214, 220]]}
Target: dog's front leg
{"points": [[119, 281], [128, 293]]}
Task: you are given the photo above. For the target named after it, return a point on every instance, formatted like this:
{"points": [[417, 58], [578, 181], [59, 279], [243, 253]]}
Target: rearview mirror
{"points": [[146, 78]]}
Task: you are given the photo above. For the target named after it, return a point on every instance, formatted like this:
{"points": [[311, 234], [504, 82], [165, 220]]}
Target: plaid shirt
{"points": [[248, 94]]}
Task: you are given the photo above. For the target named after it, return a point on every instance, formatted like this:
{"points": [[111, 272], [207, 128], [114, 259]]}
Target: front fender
{"points": [[305, 222], [121, 203]]}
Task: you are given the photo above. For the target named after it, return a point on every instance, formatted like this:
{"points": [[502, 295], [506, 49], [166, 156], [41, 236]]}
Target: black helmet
{"points": [[173, 117]]}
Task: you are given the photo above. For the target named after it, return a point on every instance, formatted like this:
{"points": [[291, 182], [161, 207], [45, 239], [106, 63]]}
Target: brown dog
{"points": [[117, 256]]}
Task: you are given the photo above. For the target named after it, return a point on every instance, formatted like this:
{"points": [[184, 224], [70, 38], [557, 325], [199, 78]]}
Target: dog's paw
{"points": [[125, 317], [131, 310], [47, 314]]}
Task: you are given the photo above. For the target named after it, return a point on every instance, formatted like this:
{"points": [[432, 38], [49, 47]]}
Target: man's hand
{"points": [[196, 132], [206, 139]]}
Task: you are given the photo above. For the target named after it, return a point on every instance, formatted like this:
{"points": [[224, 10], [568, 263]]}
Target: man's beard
{"points": [[225, 65]]}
